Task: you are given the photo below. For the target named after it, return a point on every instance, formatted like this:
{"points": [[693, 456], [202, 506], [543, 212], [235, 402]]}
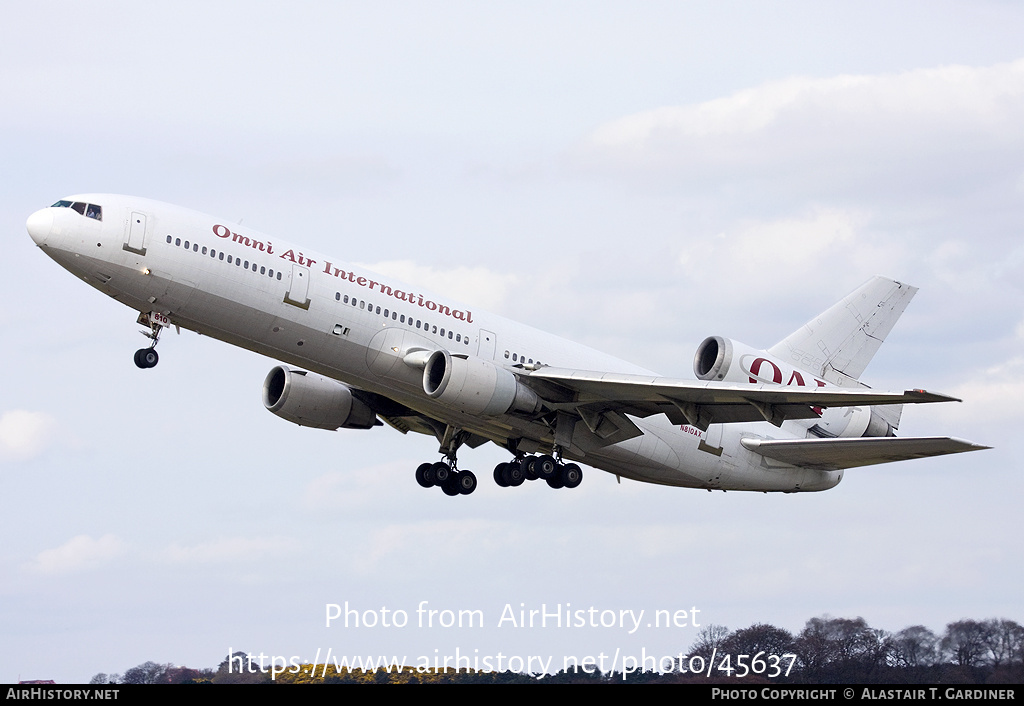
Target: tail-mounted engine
{"points": [[311, 400], [476, 386], [722, 360]]}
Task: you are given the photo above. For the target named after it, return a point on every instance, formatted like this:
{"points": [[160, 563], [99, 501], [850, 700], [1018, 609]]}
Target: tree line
{"points": [[827, 651]]}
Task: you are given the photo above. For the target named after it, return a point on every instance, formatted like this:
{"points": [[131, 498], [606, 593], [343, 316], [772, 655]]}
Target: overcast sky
{"points": [[633, 177]]}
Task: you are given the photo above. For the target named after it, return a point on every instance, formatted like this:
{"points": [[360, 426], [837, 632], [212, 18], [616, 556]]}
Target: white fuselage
{"points": [[315, 312]]}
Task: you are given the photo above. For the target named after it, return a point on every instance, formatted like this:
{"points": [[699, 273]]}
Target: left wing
{"points": [[598, 397]]}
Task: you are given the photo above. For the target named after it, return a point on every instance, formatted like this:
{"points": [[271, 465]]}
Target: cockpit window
{"points": [[89, 210]]}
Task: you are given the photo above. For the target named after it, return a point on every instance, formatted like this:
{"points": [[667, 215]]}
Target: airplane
{"points": [[366, 350]]}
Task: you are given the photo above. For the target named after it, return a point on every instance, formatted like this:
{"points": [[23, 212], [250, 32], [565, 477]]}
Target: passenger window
{"points": [[168, 240], [220, 255], [337, 296], [177, 242]]}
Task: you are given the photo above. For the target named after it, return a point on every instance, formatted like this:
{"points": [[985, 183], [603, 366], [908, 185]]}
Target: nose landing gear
{"points": [[146, 357], [155, 321]]}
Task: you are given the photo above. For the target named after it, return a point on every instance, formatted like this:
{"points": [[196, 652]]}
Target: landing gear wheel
{"points": [[441, 472], [466, 482], [572, 475], [545, 467], [451, 486], [423, 476], [499, 475], [529, 465], [513, 474], [146, 357], [555, 481]]}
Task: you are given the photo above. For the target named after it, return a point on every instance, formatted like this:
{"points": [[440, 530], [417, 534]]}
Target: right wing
{"points": [[604, 397]]}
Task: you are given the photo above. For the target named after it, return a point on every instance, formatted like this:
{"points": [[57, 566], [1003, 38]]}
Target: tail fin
{"points": [[838, 344]]}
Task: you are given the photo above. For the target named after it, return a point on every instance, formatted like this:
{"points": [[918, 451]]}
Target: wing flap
{"points": [[835, 454]]}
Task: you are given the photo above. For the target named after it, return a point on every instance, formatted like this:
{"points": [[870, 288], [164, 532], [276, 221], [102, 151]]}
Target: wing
{"points": [[601, 399], [833, 454]]}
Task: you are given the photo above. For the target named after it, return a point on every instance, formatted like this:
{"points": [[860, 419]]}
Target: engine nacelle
{"points": [[311, 400], [476, 386], [722, 360]]}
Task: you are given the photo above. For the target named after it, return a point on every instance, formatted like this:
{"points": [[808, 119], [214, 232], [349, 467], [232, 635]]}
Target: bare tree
{"points": [[916, 646], [145, 673], [709, 639], [966, 643]]}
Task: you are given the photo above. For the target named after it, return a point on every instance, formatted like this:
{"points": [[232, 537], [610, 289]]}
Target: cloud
{"points": [[82, 553], [23, 434], [485, 288], [799, 249], [231, 549], [866, 129]]}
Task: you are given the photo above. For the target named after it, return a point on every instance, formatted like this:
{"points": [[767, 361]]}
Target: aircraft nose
{"points": [[39, 224]]}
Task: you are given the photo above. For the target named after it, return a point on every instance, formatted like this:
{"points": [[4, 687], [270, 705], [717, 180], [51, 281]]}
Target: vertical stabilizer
{"points": [[838, 344]]}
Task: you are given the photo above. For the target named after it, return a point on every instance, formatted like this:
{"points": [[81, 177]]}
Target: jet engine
{"points": [[476, 386], [723, 360], [311, 400]]}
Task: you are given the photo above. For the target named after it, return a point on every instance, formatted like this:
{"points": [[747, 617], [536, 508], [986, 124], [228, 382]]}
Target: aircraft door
{"points": [[135, 233], [298, 288], [488, 344]]}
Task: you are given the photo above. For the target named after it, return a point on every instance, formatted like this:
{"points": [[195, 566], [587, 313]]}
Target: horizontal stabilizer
{"points": [[835, 454]]}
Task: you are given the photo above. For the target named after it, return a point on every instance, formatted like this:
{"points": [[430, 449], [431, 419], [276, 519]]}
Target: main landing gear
{"points": [[544, 467], [523, 468], [450, 480], [147, 357], [444, 473]]}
